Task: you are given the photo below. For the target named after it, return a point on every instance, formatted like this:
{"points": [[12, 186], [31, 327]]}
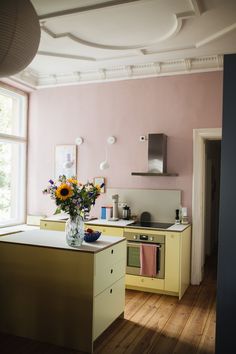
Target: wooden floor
{"points": [[153, 324]]}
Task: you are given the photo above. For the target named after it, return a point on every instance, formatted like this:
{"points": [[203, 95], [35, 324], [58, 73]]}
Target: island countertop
{"points": [[57, 239]]}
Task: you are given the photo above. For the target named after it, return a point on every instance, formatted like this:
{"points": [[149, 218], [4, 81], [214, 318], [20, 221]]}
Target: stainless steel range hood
{"points": [[157, 157]]}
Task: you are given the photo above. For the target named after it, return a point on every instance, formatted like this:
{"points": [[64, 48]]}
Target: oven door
{"points": [[133, 259]]}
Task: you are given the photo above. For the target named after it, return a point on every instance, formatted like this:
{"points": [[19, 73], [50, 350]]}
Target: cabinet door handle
{"points": [[111, 271], [112, 251], [110, 291]]}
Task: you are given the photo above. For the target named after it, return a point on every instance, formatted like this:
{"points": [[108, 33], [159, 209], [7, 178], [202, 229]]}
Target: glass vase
{"points": [[75, 231]]}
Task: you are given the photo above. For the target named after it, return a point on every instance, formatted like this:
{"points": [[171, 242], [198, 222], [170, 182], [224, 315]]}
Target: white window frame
{"points": [[7, 138]]}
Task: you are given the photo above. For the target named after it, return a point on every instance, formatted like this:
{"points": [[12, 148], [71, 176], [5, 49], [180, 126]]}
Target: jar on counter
{"points": [[126, 212]]}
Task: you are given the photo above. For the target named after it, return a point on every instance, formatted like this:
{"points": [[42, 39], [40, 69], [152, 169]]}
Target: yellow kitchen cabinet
{"points": [[107, 230], [109, 287], [108, 306], [177, 261], [109, 265], [56, 290], [176, 265], [172, 260], [144, 283], [58, 225]]}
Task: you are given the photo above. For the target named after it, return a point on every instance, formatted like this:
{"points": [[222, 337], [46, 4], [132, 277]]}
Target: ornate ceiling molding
{"points": [[165, 68], [171, 32], [81, 9], [216, 35], [66, 56]]}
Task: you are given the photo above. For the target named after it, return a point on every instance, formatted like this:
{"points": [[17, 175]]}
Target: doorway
{"points": [[200, 136], [212, 196]]}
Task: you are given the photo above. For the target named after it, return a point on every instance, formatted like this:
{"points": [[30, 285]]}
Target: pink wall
{"points": [[126, 109]]}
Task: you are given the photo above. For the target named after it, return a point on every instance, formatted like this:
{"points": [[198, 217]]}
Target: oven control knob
{"points": [[135, 237], [151, 238]]}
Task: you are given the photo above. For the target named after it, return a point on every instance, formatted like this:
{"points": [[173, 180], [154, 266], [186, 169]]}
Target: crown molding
{"points": [[36, 80]]}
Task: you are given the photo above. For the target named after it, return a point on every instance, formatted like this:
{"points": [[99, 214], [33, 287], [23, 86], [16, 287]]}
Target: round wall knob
{"points": [[111, 140], [79, 140]]}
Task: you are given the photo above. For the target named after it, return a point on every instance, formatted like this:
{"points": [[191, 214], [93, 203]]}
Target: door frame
{"points": [[198, 199]]}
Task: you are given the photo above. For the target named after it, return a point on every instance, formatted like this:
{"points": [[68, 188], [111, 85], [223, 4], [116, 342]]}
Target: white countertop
{"points": [[57, 239], [16, 228], [103, 222], [178, 227], [119, 223], [124, 223]]}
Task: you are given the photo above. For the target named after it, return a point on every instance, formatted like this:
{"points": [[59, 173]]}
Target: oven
{"points": [[134, 241]]}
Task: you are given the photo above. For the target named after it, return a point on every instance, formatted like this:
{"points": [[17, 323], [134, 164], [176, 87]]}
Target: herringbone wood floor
{"points": [[153, 324]]}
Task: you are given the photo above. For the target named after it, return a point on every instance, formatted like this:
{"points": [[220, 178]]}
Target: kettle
{"points": [[126, 212]]}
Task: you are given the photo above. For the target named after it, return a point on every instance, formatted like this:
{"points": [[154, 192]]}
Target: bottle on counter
{"points": [[177, 217], [184, 219]]}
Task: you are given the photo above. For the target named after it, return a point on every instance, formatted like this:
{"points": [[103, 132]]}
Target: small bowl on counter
{"points": [[91, 236]]}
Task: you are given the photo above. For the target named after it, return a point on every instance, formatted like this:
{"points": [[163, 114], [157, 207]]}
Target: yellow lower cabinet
{"points": [[107, 230], [108, 305], [109, 266], [172, 262], [143, 283], [52, 225], [177, 266], [74, 308]]}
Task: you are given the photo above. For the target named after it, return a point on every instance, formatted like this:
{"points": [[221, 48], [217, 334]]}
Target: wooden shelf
{"points": [[154, 174]]}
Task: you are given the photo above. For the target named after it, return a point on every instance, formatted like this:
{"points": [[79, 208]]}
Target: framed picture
{"points": [[65, 160], [98, 181]]}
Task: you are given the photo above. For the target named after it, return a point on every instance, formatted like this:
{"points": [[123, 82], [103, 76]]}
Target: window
{"points": [[13, 140]]}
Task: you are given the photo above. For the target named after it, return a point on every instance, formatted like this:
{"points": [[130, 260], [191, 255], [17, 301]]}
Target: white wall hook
{"points": [[111, 140], [79, 140]]}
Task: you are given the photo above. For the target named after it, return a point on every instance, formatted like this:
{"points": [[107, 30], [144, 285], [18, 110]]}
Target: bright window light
{"points": [[13, 109]]}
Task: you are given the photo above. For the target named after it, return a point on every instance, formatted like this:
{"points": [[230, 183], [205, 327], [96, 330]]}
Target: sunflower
{"points": [[72, 181], [98, 188], [64, 191]]}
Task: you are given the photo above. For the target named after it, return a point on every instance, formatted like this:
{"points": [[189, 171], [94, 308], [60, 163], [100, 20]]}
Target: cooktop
{"points": [[151, 224]]}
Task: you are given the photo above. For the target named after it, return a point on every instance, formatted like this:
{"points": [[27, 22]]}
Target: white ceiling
{"points": [[97, 40]]}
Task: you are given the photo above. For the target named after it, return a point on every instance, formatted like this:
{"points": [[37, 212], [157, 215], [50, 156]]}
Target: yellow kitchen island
{"points": [[54, 293]]}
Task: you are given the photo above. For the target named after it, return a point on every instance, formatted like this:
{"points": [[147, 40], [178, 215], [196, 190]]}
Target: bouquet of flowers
{"points": [[72, 197]]}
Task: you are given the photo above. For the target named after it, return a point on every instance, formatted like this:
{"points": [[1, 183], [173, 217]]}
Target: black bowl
{"points": [[91, 236]]}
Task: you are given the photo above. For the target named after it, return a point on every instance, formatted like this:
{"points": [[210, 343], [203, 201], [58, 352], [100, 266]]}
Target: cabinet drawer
{"points": [[110, 256], [106, 230], [108, 306], [144, 282], [107, 275], [52, 225]]}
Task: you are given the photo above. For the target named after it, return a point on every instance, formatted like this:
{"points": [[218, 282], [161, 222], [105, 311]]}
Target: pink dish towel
{"points": [[148, 260]]}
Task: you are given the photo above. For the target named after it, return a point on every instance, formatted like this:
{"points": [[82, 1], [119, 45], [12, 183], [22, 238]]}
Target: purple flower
{"points": [[51, 181]]}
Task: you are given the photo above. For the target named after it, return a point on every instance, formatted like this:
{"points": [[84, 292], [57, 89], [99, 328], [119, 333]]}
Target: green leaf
{"points": [[57, 211]]}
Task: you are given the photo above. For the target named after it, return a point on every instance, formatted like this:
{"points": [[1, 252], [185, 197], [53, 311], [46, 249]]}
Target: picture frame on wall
{"points": [[98, 181], [65, 160]]}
